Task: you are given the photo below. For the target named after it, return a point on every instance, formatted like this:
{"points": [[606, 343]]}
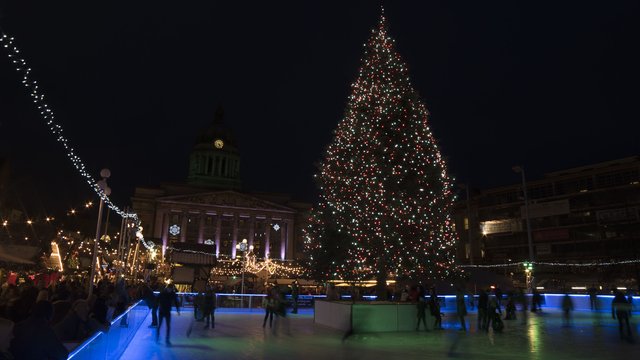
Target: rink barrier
{"points": [[250, 302], [112, 343]]}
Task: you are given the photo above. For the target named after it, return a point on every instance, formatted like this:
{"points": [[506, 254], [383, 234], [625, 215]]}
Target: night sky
{"points": [[546, 84]]}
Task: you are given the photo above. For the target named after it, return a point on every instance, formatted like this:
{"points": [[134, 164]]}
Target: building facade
{"points": [[585, 214], [211, 210]]}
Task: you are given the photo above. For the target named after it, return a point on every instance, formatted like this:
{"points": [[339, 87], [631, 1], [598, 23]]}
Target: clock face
{"points": [[218, 144]]}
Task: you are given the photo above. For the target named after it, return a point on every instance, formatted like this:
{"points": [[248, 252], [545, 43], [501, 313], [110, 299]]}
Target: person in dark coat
{"points": [[269, 304], [295, 292], [34, 338], [621, 309], [434, 306], [536, 301], [152, 303], [166, 299], [567, 308], [593, 297], [77, 325], [483, 304], [422, 312], [461, 309], [498, 294], [6, 334], [209, 308]]}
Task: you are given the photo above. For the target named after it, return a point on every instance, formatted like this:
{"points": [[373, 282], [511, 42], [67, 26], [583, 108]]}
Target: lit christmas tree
{"points": [[386, 196]]}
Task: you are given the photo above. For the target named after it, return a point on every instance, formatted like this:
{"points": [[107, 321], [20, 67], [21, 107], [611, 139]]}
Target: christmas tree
{"points": [[386, 196]]}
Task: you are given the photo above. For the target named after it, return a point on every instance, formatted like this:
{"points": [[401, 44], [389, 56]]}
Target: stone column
{"points": [[165, 232], [291, 241], [234, 237], [157, 225], [183, 227], [252, 228], [283, 239], [218, 230], [201, 228], [267, 234]]}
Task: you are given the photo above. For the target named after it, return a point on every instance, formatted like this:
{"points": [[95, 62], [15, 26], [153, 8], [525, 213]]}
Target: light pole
{"points": [[520, 169], [105, 174], [243, 246], [466, 188]]}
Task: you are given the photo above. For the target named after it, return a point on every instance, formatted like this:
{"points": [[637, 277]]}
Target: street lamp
{"points": [[470, 241], [528, 270], [105, 174], [243, 246], [520, 169]]}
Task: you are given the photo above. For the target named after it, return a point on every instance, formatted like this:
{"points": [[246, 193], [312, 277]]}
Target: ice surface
{"points": [[240, 336]]}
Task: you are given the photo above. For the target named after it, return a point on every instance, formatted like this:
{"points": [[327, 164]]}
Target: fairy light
{"points": [[385, 193], [235, 267], [47, 114], [586, 264]]}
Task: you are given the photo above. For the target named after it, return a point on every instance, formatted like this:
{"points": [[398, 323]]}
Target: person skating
{"points": [[268, 303], [434, 306], [295, 291], [421, 309], [567, 307], [166, 300], [620, 309], [209, 308], [483, 303], [510, 308], [461, 309]]}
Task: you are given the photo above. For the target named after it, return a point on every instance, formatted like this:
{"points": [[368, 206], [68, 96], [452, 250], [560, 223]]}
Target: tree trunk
{"points": [[381, 280]]}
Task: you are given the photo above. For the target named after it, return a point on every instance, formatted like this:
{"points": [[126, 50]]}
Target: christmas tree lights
{"points": [[386, 195]]}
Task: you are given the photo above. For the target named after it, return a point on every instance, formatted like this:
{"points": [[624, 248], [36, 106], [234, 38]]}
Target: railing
{"points": [[112, 344], [245, 302], [253, 302]]}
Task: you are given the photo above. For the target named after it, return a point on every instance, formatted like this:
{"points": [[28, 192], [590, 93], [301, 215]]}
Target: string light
{"points": [[48, 116], [386, 195], [235, 267], [589, 264]]}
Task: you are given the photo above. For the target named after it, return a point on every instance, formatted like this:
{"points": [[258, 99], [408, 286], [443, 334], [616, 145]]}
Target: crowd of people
{"points": [[65, 313], [493, 306], [37, 321]]}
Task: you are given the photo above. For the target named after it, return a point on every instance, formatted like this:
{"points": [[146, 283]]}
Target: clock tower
{"points": [[215, 161]]}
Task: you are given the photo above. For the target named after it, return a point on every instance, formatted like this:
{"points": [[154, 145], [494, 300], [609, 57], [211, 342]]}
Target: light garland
{"points": [[235, 267], [608, 263], [47, 114]]}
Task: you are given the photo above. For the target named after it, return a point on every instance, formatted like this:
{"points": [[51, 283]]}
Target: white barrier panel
{"points": [[333, 314]]}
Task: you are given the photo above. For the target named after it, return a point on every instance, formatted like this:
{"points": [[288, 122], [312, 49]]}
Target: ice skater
{"points": [[422, 313], [166, 299], [209, 308], [295, 292], [621, 309], [269, 304], [567, 308], [461, 309]]}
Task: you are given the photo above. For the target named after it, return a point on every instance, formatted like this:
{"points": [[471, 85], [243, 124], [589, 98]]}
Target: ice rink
{"points": [[239, 335]]}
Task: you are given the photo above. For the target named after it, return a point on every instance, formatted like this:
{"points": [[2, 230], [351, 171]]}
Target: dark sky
{"points": [[546, 84]]}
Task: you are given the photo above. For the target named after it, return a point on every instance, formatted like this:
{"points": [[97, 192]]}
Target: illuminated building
{"points": [[584, 214], [209, 211]]}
